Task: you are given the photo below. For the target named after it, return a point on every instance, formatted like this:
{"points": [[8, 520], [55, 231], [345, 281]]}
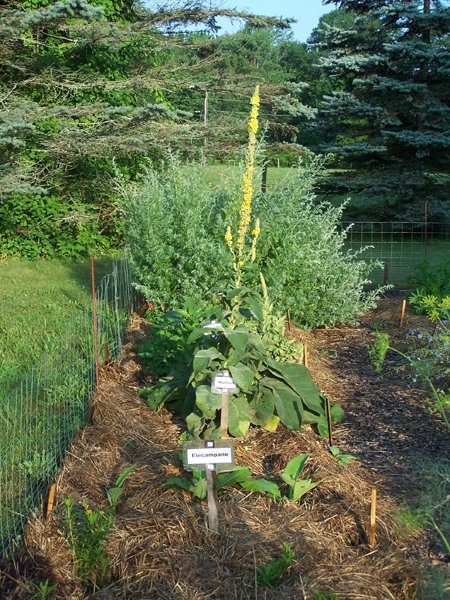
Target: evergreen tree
{"points": [[89, 89], [389, 125]]}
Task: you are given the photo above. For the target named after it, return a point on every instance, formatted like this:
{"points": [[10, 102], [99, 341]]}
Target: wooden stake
{"points": [[289, 322], [330, 431], [305, 355], [224, 415], [94, 307], [106, 352], [403, 313], [213, 501], [373, 517], [51, 500]]}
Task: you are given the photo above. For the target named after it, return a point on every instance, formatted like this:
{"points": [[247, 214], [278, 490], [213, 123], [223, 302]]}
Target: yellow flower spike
{"points": [[257, 230], [237, 247]]}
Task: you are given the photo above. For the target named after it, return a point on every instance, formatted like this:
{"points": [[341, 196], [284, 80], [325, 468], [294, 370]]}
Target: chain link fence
{"points": [[39, 418], [399, 247]]}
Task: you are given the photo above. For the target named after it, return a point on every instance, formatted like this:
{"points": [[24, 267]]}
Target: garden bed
{"points": [[160, 546]]}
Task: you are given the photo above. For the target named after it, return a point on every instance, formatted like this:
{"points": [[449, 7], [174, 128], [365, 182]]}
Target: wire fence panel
{"points": [[39, 417], [400, 247]]}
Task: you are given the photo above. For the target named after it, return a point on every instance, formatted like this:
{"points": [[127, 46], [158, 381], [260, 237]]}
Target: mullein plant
{"points": [[238, 246], [242, 253]]}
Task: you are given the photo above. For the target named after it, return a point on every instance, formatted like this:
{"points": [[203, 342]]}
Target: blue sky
{"points": [[307, 12]]}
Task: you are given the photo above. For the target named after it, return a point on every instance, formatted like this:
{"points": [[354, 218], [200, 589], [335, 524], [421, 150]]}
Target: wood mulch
{"points": [[160, 547]]}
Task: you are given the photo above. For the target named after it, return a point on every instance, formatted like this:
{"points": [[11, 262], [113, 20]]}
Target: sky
{"points": [[307, 12]]}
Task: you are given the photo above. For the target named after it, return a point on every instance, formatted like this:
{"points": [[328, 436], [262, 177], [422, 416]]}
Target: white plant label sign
{"points": [[208, 454], [223, 382]]}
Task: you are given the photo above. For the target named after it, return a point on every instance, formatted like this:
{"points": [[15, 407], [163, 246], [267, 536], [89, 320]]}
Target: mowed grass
{"points": [[217, 174], [39, 300]]}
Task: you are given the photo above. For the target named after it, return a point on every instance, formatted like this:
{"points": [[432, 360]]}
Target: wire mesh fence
{"points": [[399, 247], [40, 416]]}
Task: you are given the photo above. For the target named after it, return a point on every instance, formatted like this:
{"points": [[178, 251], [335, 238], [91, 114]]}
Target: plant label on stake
{"points": [[210, 454], [224, 384]]}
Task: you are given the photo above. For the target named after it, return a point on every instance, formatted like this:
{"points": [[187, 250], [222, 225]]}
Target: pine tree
{"points": [[91, 89], [389, 125]]}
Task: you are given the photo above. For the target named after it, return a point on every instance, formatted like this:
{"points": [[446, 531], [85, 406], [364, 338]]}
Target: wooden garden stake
{"points": [[51, 500], [94, 307], [403, 313], [106, 352], [330, 432], [373, 516], [289, 322], [305, 355], [213, 501], [224, 414]]}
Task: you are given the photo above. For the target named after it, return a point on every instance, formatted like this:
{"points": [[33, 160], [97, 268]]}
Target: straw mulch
{"points": [[160, 547]]}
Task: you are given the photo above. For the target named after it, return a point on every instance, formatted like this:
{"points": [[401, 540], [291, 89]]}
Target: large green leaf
{"points": [[238, 339], [337, 414], [199, 486], [195, 424], [287, 403], [243, 376], [299, 379], [237, 475], [294, 469], [255, 308], [263, 406], [262, 485], [238, 416], [163, 392], [300, 488], [203, 359], [180, 482], [207, 402]]}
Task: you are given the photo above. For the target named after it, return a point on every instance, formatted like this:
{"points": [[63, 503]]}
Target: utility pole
{"points": [[205, 120]]}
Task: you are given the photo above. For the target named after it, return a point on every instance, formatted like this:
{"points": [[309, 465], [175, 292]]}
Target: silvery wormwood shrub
{"points": [[175, 229], [175, 235], [302, 254]]}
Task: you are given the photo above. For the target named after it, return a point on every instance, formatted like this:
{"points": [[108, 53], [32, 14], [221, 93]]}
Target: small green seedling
{"points": [[115, 492], [342, 459], [44, 590], [268, 575], [290, 475]]}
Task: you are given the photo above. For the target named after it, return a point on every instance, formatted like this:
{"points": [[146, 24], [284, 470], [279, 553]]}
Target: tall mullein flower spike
{"points": [[247, 192]]}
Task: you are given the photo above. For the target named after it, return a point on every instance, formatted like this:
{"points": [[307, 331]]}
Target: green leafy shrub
{"points": [[301, 252], [175, 231], [169, 346], [433, 307], [432, 280], [33, 225]]}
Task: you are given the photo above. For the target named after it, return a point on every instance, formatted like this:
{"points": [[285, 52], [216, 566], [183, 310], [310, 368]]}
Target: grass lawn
{"points": [[38, 301]]}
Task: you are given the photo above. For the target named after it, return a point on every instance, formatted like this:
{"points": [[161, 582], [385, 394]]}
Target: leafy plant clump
{"points": [[87, 531], [270, 392], [242, 476], [269, 574], [377, 350]]}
